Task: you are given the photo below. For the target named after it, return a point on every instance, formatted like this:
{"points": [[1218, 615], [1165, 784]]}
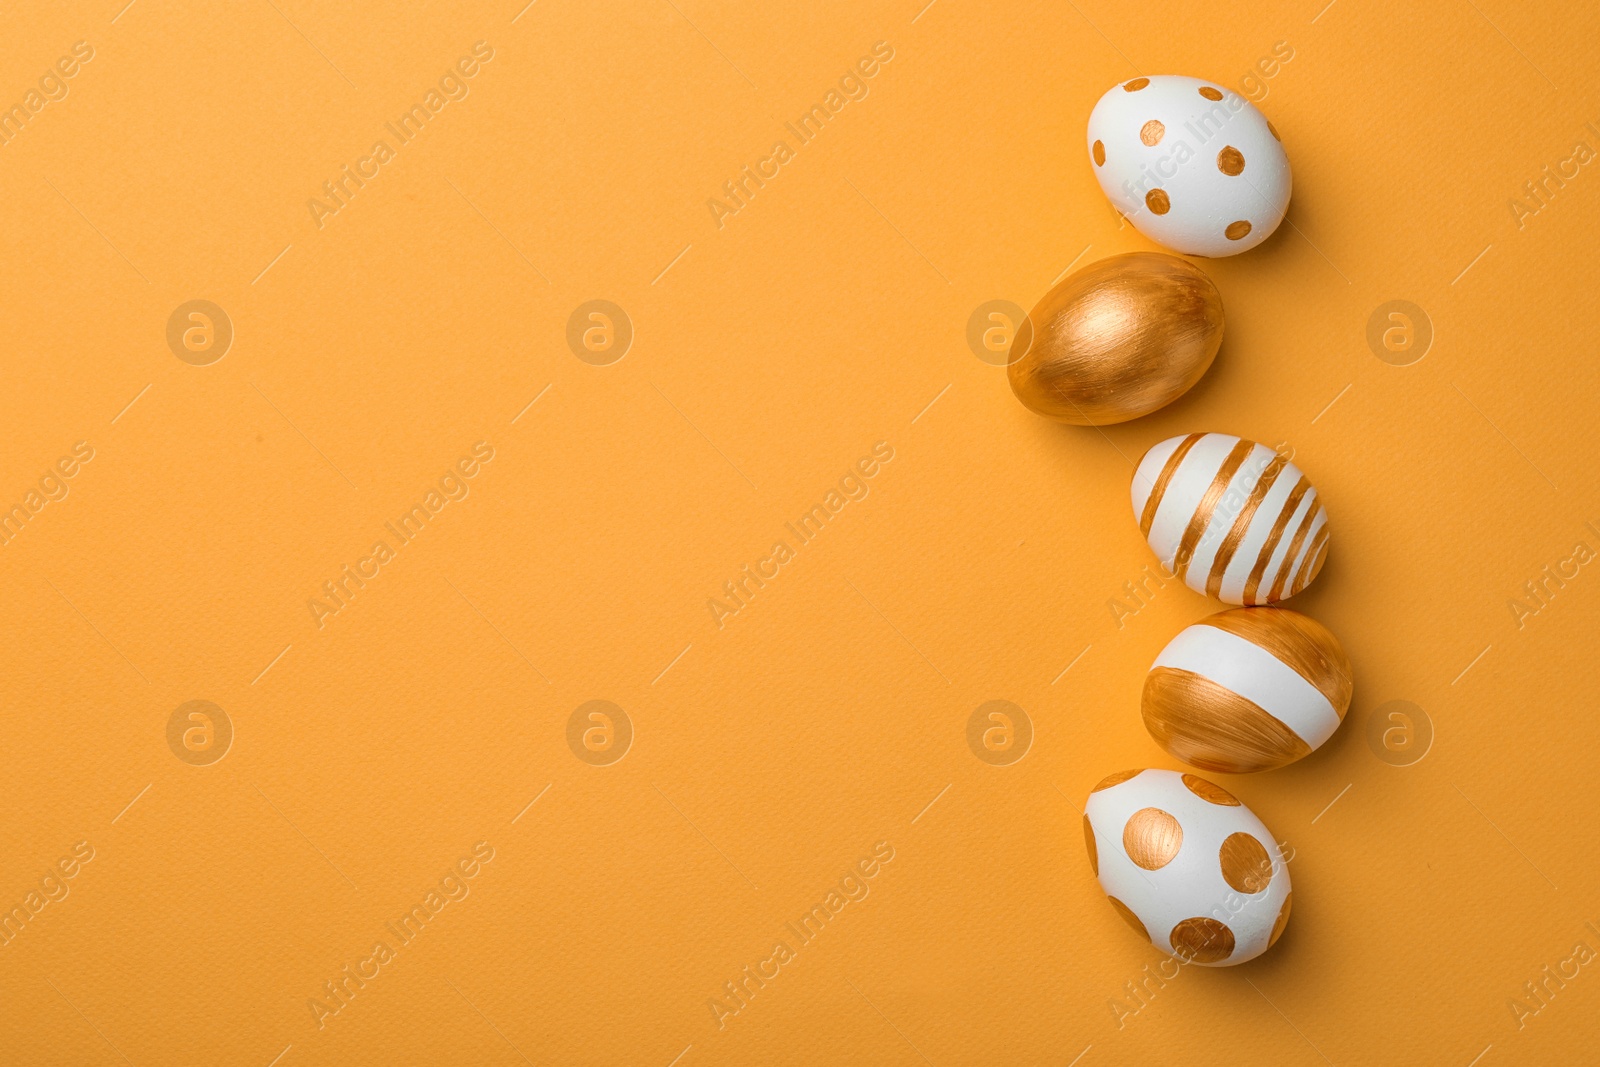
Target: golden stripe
{"points": [[1159, 490], [1313, 563], [1208, 504], [1241, 525], [1316, 564], [1300, 643], [1294, 551], [1284, 515], [1209, 726]]}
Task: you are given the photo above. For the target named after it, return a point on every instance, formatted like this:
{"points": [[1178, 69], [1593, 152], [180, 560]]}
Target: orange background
{"points": [[769, 755]]}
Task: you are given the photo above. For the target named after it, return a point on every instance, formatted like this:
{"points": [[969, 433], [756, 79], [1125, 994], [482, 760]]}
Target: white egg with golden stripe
{"points": [[1248, 689], [1187, 866], [1194, 166], [1231, 518]]}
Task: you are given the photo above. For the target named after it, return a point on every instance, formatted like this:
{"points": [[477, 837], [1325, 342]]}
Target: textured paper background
{"points": [[769, 755]]}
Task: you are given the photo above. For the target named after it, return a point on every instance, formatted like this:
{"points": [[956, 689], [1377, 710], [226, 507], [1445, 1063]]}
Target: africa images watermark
{"points": [[1176, 151], [1542, 588], [338, 592], [53, 888], [1538, 992], [1207, 126], [452, 86], [1141, 990], [50, 88], [341, 989], [1538, 193], [1253, 83], [52, 487], [752, 577], [752, 178], [852, 887]]}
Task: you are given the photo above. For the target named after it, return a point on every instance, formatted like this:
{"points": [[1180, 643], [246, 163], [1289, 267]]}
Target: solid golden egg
{"points": [[1118, 339]]}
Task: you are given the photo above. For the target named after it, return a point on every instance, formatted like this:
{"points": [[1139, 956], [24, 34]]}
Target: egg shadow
{"points": [[1274, 257]]}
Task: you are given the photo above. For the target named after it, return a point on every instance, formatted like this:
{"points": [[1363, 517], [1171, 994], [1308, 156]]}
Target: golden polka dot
{"points": [[1135, 85], [1099, 154], [1210, 93], [1152, 132], [1245, 864], [1281, 921], [1115, 779], [1273, 130], [1210, 792], [1152, 838], [1230, 161], [1202, 939], [1094, 853], [1129, 917], [1156, 200], [1237, 230]]}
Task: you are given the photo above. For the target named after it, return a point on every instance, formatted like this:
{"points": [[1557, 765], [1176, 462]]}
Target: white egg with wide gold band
{"points": [[1248, 689]]}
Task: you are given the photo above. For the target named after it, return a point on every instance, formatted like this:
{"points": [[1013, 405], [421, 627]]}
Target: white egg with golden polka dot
{"points": [[1187, 866], [1194, 166]]}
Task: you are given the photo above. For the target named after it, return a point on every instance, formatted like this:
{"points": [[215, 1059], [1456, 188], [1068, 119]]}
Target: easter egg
{"points": [[1194, 166], [1230, 517], [1248, 689], [1187, 866], [1118, 339]]}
